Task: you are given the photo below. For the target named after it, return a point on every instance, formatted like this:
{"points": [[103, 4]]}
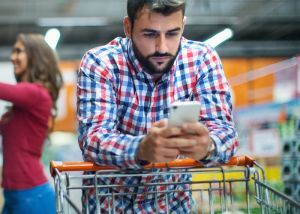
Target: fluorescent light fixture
{"points": [[73, 21], [220, 37], [52, 36]]}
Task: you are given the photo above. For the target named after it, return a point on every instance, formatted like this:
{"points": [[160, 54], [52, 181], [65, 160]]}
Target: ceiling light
{"points": [[52, 36], [73, 21], [220, 37]]}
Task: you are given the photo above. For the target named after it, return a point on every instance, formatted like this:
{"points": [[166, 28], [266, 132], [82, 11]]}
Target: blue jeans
{"points": [[39, 199]]}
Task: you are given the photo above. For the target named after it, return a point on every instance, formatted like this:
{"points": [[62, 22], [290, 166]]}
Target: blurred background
{"points": [[261, 27], [258, 42]]}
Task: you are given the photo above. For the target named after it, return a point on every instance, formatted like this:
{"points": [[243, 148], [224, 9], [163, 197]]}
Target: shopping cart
{"points": [[237, 187]]}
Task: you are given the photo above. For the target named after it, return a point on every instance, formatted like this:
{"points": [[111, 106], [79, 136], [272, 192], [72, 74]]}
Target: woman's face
{"points": [[19, 60]]}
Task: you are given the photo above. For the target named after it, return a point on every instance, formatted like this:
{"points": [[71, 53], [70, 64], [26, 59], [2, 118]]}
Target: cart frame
{"points": [[219, 192]]}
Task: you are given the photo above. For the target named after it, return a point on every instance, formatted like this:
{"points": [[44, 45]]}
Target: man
{"points": [[125, 89]]}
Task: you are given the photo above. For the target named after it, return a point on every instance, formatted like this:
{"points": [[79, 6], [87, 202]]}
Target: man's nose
{"points": [[161, 44]]}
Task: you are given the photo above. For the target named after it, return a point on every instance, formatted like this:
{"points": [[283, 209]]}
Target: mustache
{"points": [[157, 54]]}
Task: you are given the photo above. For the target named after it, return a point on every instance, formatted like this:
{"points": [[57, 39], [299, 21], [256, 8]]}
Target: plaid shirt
{"points": [[118, 101]]}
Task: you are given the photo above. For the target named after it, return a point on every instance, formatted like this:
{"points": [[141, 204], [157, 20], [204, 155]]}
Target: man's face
{"points": [[156, 39]]}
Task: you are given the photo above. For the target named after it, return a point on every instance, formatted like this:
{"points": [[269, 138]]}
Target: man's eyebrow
{"points": [[148, 30], [175, 29]]}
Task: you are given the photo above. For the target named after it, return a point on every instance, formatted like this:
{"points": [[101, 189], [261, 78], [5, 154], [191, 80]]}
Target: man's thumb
{"points": [[160, 124]]}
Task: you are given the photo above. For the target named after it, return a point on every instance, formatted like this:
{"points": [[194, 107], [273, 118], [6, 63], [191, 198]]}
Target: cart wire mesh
{"points": [[239, 186]]}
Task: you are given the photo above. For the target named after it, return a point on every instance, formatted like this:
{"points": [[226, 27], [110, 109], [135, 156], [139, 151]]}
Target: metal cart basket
{"points": [[237, 187]]}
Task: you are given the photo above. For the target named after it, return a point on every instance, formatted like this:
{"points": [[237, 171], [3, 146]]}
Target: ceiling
{"points": [[261, 27]]}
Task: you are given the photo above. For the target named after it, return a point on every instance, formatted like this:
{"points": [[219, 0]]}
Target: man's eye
{"points": [[150, 35], [170, 34]]}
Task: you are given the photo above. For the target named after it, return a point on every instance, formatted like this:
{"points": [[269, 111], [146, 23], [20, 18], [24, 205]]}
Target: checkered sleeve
{"points": [[99, 139], [213, 90]]}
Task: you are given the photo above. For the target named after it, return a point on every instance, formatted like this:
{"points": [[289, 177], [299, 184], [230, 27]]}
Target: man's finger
{"points": [[180, 143], [187, 149], [171, 132], [160, 124], [170, 152], [194, 128]]}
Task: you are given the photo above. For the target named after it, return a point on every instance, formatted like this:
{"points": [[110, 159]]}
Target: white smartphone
{"points": [[183, 112]]}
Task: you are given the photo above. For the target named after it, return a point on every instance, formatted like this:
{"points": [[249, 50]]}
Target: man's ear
{"points": [[127, 26], [184, 22]]}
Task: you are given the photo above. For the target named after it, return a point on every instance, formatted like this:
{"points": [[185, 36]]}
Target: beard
{"points": [[151, 67]]}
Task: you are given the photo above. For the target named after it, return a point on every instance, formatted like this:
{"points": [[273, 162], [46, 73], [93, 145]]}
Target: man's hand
{"points": [[164, 144], [199, 133]]}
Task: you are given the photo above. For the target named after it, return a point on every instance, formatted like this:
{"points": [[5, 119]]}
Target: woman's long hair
{"points": [[43, 65]]}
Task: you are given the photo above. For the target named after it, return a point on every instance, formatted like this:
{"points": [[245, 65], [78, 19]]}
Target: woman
{"points": [[26, 125]]}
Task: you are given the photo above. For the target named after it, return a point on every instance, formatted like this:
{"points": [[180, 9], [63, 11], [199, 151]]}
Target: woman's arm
{"points": [[21, 94]]}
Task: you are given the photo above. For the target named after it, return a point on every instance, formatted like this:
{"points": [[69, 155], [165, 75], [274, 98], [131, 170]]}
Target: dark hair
{"points": [[43, 65], [164, 7]]}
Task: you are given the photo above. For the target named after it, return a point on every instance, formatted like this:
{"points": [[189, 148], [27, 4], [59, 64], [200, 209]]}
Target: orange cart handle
{"points": [[90, 166]]}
